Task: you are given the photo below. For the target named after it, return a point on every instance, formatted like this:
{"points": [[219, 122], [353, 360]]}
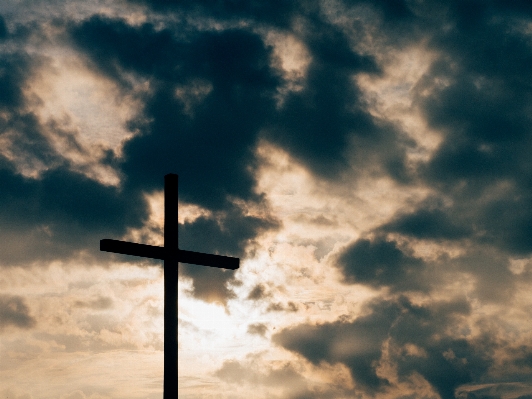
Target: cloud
{"points": [[258, 292], [379, 263], [48, 210], [326, 124], [495, 283], [283, 378], [279, 307], [428, 224], [14, 312], [3, 28], [445, 360], [53, 211], [78, 394], [358, 344], [495, 391], [276, 12], [258, 329], [99, 303], [15, 69]]}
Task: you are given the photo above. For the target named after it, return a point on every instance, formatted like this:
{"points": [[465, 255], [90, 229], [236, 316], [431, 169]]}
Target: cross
{"points": [[171, 255]]}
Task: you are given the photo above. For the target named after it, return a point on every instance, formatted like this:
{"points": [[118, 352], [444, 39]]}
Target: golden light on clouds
{"points": [[83, 113], [345, 209], [72, 93], [291, 52], [117, 312], [392, 96]]}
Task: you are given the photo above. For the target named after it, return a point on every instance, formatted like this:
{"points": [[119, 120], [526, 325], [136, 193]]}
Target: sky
{"points": [[368, 161]]}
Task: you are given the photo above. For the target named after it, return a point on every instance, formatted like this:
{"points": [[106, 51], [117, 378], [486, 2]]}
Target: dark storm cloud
{"points": [[215, 94], [15, 68], [113, 45], [326, 125], [210, 284], [228, 233], [477, 94], [494, 281], [317, 124], [379, 262], [446, 361], [61, 212], [3, 28], [507, 221], [213, 149], [277, 13], [524, 358], [357, 345], [450, 358], [14, 312]]}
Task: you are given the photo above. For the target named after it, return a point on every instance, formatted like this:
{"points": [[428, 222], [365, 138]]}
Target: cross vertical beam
{"points": [[170, 285]]}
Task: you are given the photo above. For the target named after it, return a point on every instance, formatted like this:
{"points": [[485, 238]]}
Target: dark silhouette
{"points": [[172, 255]]}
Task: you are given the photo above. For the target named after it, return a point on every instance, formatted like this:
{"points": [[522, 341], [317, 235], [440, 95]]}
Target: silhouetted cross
{"points": [[172, 255]]}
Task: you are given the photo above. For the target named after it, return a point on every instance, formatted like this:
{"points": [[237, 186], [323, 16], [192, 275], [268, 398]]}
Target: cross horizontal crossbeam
{"points": [[155, 252]]}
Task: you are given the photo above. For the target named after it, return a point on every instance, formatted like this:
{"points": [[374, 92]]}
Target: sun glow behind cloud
{"points": [[295, 283]]}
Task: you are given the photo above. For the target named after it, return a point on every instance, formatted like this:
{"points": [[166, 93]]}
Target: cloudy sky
{"points": [[369, 162]]}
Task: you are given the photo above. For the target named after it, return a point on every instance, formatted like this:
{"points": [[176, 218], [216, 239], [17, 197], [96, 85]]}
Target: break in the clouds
{"points": [[368, 161]]}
